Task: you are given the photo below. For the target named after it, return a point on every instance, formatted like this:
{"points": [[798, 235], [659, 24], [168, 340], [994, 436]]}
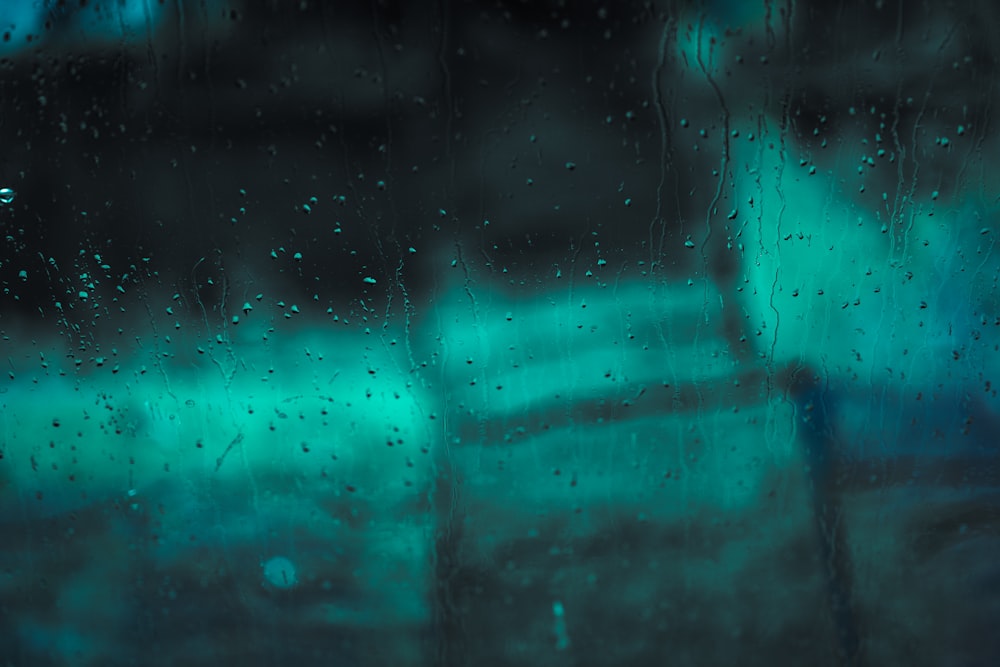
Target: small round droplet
{"points": [[280, 572], [7, 195]]}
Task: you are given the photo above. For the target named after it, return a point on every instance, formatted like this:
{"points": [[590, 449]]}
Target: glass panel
{"points": [[499, 333]]}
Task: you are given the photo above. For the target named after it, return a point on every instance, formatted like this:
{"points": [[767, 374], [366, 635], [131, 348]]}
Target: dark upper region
{"points": [[411, 124], [217, 136]]}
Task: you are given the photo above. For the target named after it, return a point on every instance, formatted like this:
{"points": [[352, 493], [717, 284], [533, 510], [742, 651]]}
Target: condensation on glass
{"points": [[499, 333]]}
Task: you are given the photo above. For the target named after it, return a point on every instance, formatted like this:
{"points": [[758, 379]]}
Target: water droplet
{"points": [[280, 572], [7, 195]]}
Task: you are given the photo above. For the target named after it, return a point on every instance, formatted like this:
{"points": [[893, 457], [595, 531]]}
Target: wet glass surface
{"points": [[499, 333]]}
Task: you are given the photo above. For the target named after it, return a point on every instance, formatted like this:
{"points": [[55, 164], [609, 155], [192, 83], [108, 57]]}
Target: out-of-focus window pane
{"points": [[499, 333]]}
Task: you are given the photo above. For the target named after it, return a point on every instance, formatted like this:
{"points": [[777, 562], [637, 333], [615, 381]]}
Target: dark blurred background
{"points": [[142, 137], [299, 148]]}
